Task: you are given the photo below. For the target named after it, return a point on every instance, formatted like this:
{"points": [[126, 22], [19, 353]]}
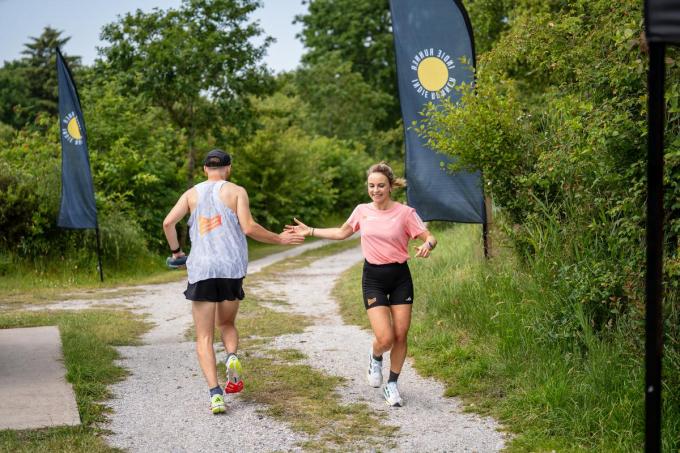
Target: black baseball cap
{"points": [[217, 158]]}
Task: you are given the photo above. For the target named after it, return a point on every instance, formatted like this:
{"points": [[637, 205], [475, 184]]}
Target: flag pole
{"points": [[99, 255], [654, 275]]}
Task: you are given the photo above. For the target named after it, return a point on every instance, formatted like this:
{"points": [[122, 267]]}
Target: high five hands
{"points": [[291, 237], [300, 228]]}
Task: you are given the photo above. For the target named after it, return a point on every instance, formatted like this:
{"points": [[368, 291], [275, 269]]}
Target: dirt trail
{"points": [[428, 421], [156, 409]]}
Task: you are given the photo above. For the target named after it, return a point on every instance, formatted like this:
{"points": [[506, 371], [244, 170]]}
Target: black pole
{"points": [[485, 235], [99, 255], [653, 281]]}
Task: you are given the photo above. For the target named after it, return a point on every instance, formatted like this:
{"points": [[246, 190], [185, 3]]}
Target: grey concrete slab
{"points": [[34, 392]]}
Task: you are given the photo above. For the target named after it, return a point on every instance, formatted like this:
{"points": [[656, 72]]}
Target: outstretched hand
{"points": [[289, 237], [300, 228], [423, 251]]}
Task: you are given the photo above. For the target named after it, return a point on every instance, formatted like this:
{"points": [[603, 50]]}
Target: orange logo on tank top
{"points": [[207, 224]]}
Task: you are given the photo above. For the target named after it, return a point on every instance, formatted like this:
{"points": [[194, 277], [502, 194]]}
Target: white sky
{"points": [[82, 20]]}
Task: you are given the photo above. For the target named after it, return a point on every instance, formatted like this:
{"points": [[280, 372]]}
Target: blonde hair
{"points": [[386, 170]]}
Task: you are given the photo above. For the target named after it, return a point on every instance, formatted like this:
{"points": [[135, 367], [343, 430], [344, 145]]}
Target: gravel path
{"points": [[159, 407], [428, 421]]}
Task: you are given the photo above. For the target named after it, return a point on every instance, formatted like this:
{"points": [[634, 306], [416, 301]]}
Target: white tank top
{"points": [[218, 245]]}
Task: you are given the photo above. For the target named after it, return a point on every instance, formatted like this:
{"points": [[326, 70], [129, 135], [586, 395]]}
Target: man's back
{"points": [[229, 194], [218, 244]]}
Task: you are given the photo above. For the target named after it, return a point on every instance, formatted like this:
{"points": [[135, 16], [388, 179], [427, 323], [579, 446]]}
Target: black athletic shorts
{"points": [[216, 290], [386, 284]]}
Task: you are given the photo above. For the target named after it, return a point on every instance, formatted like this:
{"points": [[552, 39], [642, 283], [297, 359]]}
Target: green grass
{"points": [[306, 399], [491, 332], [88, 341], [44, 281]]}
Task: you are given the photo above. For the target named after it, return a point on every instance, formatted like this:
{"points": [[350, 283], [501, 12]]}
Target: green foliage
{"points": [[361, 33], [502, 339], [288, 172], [196, 62], [556, 125], [28, 87], [340, 103], [488, 19], [136, 155]]}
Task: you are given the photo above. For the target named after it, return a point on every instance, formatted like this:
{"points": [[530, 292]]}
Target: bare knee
{"points": [[385, 341], [225, 324], [400, 338]]}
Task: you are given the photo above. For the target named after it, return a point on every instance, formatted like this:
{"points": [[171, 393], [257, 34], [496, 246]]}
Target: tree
{"points": [[341, 103], [28, 86], [40, 61], [360, 31], [197, 62]]}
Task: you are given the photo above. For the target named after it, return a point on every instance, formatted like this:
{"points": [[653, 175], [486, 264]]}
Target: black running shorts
{"points": [[215, 290], [386, 284]]}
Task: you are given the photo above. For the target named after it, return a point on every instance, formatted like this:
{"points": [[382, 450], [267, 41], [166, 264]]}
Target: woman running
{"points": [[386, 228]]}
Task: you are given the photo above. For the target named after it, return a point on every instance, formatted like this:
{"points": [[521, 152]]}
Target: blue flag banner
{"points": [[78, 209], [431, 37]]}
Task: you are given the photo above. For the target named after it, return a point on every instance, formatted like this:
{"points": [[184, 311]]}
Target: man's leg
{"points": [[204, 322], [226, 316]]}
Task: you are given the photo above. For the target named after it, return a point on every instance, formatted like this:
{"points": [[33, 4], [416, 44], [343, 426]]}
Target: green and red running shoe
{"points": [[234, 372]]}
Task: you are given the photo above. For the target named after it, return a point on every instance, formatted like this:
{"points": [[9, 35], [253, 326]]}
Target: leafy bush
{"points": [[556, 124]]}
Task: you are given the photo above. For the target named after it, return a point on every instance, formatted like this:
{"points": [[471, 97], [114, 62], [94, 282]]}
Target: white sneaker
{"points": [[392, 396], [374, 370]]}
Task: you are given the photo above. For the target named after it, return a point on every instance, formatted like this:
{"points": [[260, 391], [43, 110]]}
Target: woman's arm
{"points": [[429, 243], [343, 232], [256, 231]]}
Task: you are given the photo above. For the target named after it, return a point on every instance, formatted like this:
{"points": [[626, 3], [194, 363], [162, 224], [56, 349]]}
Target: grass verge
{"points": [[43, 281], [88, 341], [307, 400], [491, 332]]}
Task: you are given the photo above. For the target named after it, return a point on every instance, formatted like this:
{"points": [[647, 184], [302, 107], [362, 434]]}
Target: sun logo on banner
{"points": [[433, 79], [70, 129]]}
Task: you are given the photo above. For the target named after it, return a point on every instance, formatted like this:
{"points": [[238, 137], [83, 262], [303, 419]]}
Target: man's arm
{"points": [[176, 214], [256, 231]]}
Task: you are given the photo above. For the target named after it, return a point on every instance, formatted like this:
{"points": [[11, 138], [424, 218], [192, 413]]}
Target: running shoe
{"points": [[234, 372], [217, 404], [176, 263], [392, 396], [374, 374]]}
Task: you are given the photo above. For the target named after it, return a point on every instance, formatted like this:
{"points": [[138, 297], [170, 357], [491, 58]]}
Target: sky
{"points": [[82, 20]]}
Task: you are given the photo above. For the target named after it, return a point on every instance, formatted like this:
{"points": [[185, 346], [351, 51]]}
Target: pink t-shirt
{"points": [[385, 234]]}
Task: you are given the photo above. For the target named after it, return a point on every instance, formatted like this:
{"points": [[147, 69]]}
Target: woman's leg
{"points": [[401, 321], [226, 316], [379, 317], [204, 322]]}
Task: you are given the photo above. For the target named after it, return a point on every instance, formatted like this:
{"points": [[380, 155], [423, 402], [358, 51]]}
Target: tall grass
{"points": [[502, 338]]}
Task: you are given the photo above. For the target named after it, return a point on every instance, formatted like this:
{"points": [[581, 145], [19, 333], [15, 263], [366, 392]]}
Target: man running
{"points": [[219, 222]]}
